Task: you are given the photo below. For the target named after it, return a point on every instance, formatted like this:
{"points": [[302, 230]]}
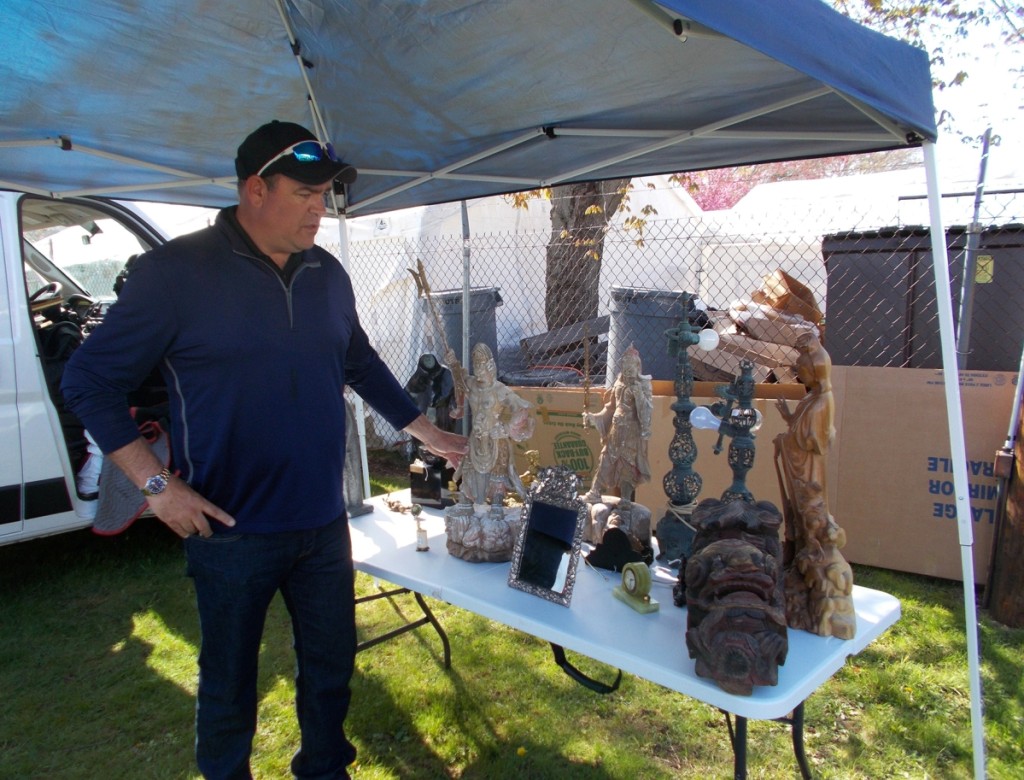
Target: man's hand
{"points": [[186, 512], [179, 507], [450, 446]]}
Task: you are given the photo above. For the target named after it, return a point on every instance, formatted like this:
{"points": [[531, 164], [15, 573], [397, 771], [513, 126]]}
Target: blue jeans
{"points": [[236, 577]]}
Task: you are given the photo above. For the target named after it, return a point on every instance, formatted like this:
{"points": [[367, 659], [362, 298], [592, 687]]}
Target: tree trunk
{"points": [[579, 218], [1007, 578]]}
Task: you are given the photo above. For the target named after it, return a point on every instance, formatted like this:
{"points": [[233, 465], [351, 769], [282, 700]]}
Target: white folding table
{"points": [[599, 626]]}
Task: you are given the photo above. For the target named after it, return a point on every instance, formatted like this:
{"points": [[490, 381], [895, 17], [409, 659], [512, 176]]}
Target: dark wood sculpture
{"points": [[819, 581], [736, 615]]}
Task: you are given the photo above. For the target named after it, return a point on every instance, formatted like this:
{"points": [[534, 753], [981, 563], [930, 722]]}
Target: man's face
{"points": [[291, 212]]}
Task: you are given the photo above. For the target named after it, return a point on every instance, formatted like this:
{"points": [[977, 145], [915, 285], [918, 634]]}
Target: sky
{"points": [[992, 96]]}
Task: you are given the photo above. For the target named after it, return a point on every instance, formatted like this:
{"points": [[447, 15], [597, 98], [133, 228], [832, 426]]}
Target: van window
{"points": [[75, 245]]}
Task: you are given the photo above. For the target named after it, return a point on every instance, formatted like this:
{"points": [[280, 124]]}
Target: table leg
{"points": [[428, 617], [797, 724], [440, 631], [738, 738]]}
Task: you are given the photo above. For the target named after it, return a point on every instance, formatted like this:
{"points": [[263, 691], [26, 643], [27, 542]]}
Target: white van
{"points": [[60, 260]]}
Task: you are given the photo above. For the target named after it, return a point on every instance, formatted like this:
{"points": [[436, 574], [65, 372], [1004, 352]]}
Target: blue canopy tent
{"points": [[444, 100]]}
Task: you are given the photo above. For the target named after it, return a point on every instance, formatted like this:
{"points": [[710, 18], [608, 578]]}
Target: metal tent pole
{"points": [[958, 449], [359, 407], [465, 302], [963, 323], [320, 129]]}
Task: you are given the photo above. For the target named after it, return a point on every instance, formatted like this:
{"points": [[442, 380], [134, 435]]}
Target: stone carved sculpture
{"points": [[624, 424], [480, 537], [479, 526], [499, 418], [819, 581], [732, 586]]}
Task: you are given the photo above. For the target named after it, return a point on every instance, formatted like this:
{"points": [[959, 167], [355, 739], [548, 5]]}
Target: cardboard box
{"points": [[561, 439], [890, 478], [890, 482]]}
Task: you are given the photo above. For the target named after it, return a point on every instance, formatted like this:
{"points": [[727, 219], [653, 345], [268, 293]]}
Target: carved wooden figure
{"points": [[733, 590], [819, 582], [480, 527]]}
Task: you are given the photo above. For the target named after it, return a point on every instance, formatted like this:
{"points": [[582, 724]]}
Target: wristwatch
{"points": [[157, 484]]}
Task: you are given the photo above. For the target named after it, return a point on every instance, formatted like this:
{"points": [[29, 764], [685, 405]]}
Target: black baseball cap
{"points": [[291, 149]]}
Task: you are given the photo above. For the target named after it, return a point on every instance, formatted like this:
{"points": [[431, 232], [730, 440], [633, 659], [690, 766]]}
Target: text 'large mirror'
{"points": [[547, 550]]}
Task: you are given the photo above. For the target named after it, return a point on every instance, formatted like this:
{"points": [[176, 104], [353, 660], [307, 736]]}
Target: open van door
{"points": [[11, 480], [61, 266]]}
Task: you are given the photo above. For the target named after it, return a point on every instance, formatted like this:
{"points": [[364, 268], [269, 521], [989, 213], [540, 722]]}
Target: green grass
{"points": [[98, 638]]}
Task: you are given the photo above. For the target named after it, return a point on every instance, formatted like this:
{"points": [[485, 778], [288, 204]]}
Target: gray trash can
{"points": [[483, 301], [640, 316]]}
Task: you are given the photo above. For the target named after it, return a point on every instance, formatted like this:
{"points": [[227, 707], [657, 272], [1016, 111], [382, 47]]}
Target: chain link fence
{"points": [[861, 273]]}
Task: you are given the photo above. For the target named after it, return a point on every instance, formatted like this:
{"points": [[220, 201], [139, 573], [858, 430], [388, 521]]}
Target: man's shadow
{"points": [[382, 719], [85, 693]]}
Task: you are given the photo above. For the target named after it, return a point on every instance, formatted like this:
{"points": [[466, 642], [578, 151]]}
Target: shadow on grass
{"points": [[82, 697], [384, 724], [99, 641], [491, 715]]}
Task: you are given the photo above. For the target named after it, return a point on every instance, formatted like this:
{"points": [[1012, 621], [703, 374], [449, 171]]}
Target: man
{"points": [[255, 331]]}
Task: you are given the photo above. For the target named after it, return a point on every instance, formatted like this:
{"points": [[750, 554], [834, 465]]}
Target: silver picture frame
{"points": [[547, 551]]}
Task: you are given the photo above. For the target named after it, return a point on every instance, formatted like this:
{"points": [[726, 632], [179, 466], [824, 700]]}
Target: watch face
{"points": [[155, 485], [629, 580], [636, 580]]}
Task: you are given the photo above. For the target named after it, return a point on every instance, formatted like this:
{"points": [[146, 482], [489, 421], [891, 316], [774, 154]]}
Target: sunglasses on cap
{"points": [[303, 152]]}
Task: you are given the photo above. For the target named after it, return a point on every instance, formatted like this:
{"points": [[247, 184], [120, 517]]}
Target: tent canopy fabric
{"points": [[444, 100], [440, 100]]}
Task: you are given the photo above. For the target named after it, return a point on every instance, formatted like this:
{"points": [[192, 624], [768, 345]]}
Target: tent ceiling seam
{"points": [[691, 134], [668, 138], [890, 127], [65, 143], [451, 168], [223, 181]]}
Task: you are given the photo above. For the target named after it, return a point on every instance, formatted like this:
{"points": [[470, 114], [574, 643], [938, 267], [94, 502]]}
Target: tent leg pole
{"points": [[958, 449], [467, 348], [358, 404]]}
